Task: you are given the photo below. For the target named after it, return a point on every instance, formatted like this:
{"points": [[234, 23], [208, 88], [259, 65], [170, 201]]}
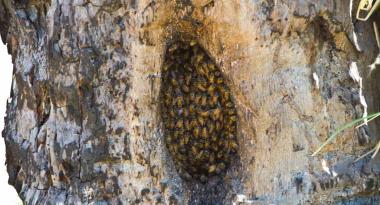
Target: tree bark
{"points": [[84, 127]]}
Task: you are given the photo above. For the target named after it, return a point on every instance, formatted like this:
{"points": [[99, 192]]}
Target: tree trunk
{"points": [[85, 122]]}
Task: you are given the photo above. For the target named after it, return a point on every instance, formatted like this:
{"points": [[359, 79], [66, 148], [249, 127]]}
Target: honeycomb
{"points": [[198, 112]]}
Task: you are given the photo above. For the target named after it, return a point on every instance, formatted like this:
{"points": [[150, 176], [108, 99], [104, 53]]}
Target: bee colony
{"points": [[198, 112]]}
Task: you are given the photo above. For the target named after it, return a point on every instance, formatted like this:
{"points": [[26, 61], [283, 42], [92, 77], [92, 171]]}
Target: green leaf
{"points": [[341, 129]]}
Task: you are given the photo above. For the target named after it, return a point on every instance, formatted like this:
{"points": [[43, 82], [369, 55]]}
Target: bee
{"points": [[228, 144], [219, 155], [193, 42], [203, 178], [198, 99], [214, 147], [218, 126], [230, 137], [230, 111], [169, 124], [204, 100], [174, 149], [214, 138], [180, 101], [206, 154], [206, 145], [194, 169], [231, 128], [211, 79], [222, 89], [192, 60], [204, 133], [186, 55], [176, 134], [192, 96], [169, 139], [177, 90], [211, 90], [182, 142], [211, 127], [229, 104], [184, 174], [198, 58], [164, 110], [187, 99], [202, 70], [194, 150], [174, 102], [222, 143], [173, 48], [179, 124], [200, 87], [194, 123], [199, 155], [211, 66], [233, 146], [187, 138], [178, 163], [188, 80], [196, 132], [232, 119], [212, 156], [171, 113], [204, 113], [179, 61], [165, 67], [226, 94], [191, 109], [174, 82], [213, 100], [167, 101], [230, 122], [211, 169], [219, 80], [201, 121], [187, 125], [180, 78], [185, 88], [185, 112], [179, 157], [168, 94], [216, 114], [195, 50], [221, 166], [171, 149], [188, 67]]}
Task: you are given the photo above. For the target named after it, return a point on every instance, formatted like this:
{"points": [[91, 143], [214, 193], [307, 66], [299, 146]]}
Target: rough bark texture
{"points": [[83, 123]]}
